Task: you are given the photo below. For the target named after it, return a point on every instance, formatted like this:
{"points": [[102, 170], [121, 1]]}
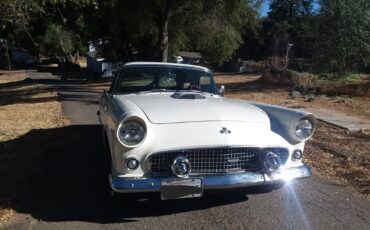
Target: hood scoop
{"points": [[186, 95]]}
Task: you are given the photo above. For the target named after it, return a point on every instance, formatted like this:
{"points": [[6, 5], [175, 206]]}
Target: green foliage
{"points": [[218, 33], [351, 77], [289, 21], [283, 10], [212, 27], [56, 41], [337, 37], [292, 21], [344, 38], [51, 26], [218, 44], [17, 13]]}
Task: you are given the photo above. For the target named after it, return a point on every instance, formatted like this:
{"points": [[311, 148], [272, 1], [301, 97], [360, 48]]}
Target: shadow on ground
{"points": [[27, 91], [80, 76], [61, 175]]}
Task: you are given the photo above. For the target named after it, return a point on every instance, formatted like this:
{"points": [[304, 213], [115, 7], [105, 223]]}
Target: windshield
{"points": [[138, 79]]}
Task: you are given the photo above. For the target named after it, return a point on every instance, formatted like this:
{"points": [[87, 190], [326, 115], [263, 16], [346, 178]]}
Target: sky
{"points": [[266, 5], [265, 8]]}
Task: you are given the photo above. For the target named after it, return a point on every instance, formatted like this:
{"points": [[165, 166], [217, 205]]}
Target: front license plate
{"points": [[181, 188]]}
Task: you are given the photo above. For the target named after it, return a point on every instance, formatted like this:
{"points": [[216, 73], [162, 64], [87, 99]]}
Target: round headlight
{"points": [[303, 129], [131, 133]]}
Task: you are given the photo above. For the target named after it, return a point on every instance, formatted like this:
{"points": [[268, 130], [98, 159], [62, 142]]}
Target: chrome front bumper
{"points": [[247, 179]]}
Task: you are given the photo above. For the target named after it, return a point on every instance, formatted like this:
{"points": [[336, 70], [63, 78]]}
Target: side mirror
{"points": [[222, 90]]}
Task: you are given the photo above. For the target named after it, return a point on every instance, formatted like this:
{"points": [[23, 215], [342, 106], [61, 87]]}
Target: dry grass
{"points": [[330, 86], [5, 214], [100, 86], [23, 107], [249, 87], [22, 118], [341, 156], [14, 76], [358, 88]]}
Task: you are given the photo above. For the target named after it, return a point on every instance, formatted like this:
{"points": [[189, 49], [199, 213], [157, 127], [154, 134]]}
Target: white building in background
{"points": [[100, 66], [188, 57]]}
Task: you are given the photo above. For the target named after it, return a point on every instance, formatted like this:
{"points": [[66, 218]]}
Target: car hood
{"points": [[164, 108]]}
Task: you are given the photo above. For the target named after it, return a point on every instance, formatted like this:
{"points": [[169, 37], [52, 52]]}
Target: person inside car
{"points": [[182, 84]]}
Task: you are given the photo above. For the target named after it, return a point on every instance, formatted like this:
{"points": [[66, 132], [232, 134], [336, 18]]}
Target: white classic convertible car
{"points": [[167, 128]]}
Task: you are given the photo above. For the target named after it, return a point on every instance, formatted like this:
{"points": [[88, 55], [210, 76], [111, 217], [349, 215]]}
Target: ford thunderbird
{"points": [[167, 128]]}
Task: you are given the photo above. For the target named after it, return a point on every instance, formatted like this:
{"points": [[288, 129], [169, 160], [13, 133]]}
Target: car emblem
{"points": [[233, 160], [224, 130]]}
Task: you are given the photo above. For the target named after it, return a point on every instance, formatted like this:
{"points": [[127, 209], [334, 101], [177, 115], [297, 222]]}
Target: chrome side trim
{"points": [[153, 184]]}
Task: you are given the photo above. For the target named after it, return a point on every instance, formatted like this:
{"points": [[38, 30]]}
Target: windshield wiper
{"points": [[162, 90]]}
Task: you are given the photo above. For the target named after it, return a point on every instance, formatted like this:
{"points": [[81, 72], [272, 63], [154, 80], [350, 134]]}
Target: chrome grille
{"points": [[209, 160]]}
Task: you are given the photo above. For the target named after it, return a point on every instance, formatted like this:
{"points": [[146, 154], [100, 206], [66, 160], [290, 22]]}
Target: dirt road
{"points": [[71, 194]]}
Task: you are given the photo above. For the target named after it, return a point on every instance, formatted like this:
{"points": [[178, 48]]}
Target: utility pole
{"points": [[288, 47]]}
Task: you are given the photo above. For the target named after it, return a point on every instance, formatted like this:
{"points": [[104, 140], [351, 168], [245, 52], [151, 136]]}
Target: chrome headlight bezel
{"points": [[302, 126], [133, 120]]}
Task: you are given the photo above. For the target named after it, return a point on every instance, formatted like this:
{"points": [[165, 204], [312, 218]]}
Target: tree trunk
{"points": [[164, 31], [77, 56], [164, 42], [7, 54]]}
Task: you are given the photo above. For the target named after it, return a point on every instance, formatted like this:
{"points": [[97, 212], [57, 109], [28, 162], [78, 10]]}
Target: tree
{"points": [[221, 24], [288, 21], [153, 30], [14, 19], [287, 10], [167, 26], [26, 23], [165, 10], [56, 41], [344, 38], [292, 21]]}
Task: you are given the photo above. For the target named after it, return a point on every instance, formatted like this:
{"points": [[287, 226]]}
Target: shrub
{"points": [[342, 99], [352, 77], [289, 78]]}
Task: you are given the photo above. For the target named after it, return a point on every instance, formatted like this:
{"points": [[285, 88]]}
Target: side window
{"points": [[205, 83], [204, 80]]}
